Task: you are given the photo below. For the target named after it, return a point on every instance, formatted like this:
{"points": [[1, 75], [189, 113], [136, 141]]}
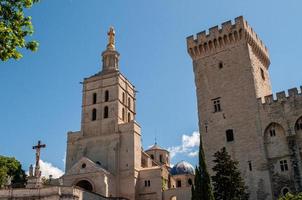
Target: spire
{"points": [[110, 56]]}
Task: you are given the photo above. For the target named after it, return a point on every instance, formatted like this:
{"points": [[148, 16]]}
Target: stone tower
{"points": [[231, 72], [105, 154]]}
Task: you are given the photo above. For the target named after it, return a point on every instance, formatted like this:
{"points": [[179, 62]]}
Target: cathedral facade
{"points": [[237, 109], [106, 155]]}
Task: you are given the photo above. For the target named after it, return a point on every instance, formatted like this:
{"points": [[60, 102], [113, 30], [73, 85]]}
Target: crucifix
{"points": [[38, 153]]}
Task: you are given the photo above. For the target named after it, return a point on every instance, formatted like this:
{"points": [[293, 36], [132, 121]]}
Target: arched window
{"points": [[129, 103], [284, 191], [129, 117], [190, 181], [106, 95], [298, 125], [94, 98], [93, 114], [123, 114], [123, 97], [152, 156], [161, 158], [229, 135], [106, 112]]}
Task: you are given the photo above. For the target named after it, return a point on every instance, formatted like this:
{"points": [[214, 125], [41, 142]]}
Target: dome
{"points": [[155, 147], [182, 167]]}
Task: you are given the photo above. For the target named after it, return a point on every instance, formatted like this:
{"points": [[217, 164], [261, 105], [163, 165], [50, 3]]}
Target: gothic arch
{"points": [[298, 125], [275, 140], [85, 184]]}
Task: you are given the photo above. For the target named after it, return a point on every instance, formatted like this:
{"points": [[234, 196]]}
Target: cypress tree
{"points": [[228, 183], [202, 190]]}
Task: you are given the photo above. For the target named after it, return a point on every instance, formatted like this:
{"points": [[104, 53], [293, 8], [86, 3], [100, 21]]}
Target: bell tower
{"points": [[109, 138], [108, 97]]}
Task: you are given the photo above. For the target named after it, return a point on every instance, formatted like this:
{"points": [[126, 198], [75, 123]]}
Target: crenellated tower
{"points": [[231, 65]]}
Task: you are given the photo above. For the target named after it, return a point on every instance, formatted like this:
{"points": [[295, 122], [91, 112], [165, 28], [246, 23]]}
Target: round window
{"points": [[84, 165]]}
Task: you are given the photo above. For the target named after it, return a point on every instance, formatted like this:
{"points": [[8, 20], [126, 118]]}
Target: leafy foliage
{"points": [[15, 28], [227, 182], [290, 196], [10, 168], [201, 190]]}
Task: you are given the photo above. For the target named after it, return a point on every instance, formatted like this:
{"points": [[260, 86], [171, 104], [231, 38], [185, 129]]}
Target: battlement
{"points": [[218, 38], [281, 96]]}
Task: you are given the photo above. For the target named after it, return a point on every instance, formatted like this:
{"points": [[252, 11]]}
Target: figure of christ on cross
{"points": [[38, 153]]}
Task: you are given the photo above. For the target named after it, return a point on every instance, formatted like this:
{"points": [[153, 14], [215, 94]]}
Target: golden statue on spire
{"points": [[111, 39]]}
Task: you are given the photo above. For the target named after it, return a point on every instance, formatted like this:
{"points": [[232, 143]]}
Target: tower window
{"points": [[262, 74], [229, 135], [149, 183], [106, 95], [283, 165], [250, 165], [220, 65], [161, 158], [106, 112], [152, 156], [123, 97], [217, 106], [178, 184], [129, 117], [93, 114], [190, 181], [272, 132], [123, 114], [129, 103], [94, 98]]}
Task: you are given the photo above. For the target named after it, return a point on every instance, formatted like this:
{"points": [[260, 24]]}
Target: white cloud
{"points": [[193, 153], [188, 145], [48, 169], [191, 141]]}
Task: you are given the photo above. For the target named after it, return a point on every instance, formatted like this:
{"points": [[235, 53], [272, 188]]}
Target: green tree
{"points": [[290, 196], [15, 28], [202, 190], [10, 168], [227, 182]]}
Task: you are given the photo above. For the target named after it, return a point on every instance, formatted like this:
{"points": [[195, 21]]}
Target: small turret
{"points": [[110, 56]]}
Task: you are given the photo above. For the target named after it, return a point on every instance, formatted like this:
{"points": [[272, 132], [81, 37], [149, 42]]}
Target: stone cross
{"points": [[38, 153]]}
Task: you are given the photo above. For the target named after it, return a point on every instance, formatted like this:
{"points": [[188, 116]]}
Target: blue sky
{"points": [[41, 94]]}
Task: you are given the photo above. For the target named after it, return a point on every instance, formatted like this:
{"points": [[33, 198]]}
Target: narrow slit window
{"points": [[129, 117], [123, 114], [272, 132], [94, 98], [262, 74], [250, 165], [106, 112], [93, 114], [106, 96]]}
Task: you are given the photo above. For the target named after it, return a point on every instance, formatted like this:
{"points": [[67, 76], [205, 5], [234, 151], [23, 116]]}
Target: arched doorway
{"points": [[173, 198], [86, 185]]}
